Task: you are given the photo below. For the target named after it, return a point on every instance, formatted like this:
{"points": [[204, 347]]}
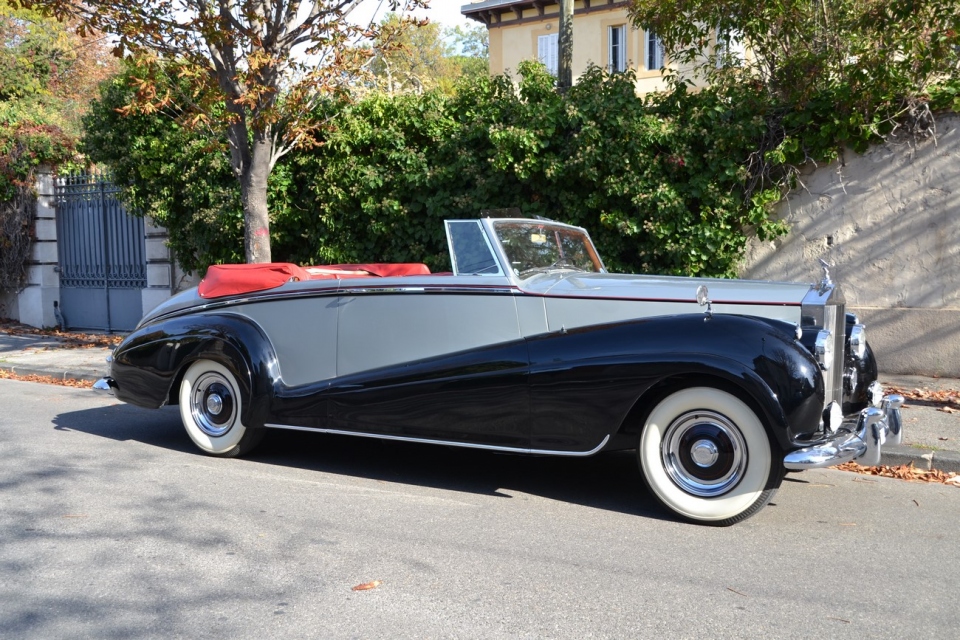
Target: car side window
{"points": [[470, 250]]}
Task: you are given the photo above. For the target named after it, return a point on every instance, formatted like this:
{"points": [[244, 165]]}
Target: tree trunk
{"points": [[253, 192], [565, 46]]}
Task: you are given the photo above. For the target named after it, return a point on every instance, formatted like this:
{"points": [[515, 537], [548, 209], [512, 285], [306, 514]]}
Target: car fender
{"points": [[759, 360], [151, 360]]}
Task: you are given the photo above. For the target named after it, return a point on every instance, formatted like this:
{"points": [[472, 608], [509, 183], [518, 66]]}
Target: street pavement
{"points": [[931, 438], [113, 525]]}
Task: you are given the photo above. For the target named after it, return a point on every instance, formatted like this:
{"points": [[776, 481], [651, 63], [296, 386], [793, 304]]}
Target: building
{"points": [[602, 35]]}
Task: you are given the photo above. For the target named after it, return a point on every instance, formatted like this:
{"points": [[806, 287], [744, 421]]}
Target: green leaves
{"points": [[658, 181]]}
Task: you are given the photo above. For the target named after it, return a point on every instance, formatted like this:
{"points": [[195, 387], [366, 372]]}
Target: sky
{"points": [[446, 12]]}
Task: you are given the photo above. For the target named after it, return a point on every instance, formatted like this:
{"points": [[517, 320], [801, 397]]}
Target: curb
{"points": [[924, 459], [61, 375]]}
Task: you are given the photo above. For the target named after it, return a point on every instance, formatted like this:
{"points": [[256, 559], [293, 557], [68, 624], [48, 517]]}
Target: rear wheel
{"points": [[210, 407], [706, 456]]}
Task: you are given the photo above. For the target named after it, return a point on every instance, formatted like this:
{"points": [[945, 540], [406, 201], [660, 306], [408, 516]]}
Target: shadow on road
{"points": [[609, 481]]}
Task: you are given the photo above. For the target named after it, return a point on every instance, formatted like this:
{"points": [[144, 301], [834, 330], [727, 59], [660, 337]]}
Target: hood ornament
{"points": [[825, 281], [703, 299]]}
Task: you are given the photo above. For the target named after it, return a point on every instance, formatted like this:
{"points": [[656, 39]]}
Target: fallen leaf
{"points": [[366, 586], [903, 472], [63, 382]]}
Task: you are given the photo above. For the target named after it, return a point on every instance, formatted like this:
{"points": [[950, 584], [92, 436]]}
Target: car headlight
{"points": [[858, 341], [824, 349]]}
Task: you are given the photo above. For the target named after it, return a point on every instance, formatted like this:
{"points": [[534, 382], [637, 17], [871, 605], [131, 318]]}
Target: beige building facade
{"points": [[602, 36]]}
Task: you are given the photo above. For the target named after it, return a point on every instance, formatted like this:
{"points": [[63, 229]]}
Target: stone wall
{"points": [[889, 222]]}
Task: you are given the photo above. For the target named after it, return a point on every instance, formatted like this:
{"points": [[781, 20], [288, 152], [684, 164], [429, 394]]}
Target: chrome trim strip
{"points": [[465, 445], [429, 289]]}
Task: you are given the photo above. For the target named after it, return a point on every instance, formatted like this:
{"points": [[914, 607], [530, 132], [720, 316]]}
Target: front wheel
{"points": [[705, 455], [210, 406]]}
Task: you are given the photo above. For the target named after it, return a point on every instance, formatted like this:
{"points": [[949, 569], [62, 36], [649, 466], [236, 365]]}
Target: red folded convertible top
{"points": [[233, 279]]}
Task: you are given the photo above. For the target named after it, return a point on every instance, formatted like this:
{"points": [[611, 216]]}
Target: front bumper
{"points": [[105, 386], [858, 439]]}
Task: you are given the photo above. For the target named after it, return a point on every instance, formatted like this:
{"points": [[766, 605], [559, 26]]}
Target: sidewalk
{"points": [[931, 435]]}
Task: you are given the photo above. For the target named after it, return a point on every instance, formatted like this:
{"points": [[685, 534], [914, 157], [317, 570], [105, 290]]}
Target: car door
{"points": [[433, 362]]}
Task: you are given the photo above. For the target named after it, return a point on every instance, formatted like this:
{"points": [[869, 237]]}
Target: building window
{"points": [[730, 48], [548, 51], [617, 48], [654, 48]]}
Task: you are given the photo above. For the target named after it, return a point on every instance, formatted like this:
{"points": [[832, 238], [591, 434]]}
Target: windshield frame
{"points": [[557, 228]]}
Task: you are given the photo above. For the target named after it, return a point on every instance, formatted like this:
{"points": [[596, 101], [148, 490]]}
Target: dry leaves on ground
{"points": [[904, 472], [948, 398], [366, 586], [63, 382], [67, 339]]}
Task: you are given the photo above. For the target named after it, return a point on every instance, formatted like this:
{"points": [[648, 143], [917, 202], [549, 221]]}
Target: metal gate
{"points": [[101, 255]]}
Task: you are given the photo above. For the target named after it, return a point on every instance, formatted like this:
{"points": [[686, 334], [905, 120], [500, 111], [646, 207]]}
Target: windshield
{"points": [[532, 246]]}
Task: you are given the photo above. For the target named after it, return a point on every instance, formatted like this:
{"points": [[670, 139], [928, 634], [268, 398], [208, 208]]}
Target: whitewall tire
{"points": [[210, 408], [705, 455]]}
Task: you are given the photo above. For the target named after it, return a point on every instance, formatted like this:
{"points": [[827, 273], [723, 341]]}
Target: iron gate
{"points": [[101, 255]]}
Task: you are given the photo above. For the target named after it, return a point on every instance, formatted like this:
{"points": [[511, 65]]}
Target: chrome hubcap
{"points": [[704, 453], [213, 404]]}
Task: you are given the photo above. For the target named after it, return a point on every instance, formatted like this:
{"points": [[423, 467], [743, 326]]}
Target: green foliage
{"points": [[659, 184], [181, 179], [426, 57], [25, 146], [847, 71]]}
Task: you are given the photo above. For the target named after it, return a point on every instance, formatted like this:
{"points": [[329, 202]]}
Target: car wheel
{"points": [[705, 455], [210, 406]]}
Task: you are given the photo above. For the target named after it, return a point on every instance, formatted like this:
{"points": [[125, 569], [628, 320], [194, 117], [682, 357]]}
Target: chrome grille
{"points": [[824, 307]]}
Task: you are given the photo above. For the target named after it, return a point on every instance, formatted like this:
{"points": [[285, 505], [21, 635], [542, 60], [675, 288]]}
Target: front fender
{"points": [[634, 364], [148, 363]]}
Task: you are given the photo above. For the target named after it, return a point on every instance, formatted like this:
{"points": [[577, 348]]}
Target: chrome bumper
{"points": [[105, 385], [858, 439]]}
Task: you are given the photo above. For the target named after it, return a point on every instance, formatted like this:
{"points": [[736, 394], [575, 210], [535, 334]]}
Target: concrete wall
{"points": [[889, 222]]}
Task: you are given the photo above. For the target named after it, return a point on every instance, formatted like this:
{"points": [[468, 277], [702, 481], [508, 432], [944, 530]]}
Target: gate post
{"points": [[35, 302], [160, 276]]}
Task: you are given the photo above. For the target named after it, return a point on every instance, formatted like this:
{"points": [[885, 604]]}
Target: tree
{"points": [[47, 72], [253, 69], [869, 54], [565, 46], [429, 57]]}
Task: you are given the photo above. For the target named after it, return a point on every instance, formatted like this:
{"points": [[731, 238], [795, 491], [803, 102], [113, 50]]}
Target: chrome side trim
{"points": [[350, 291], [465, 445]]}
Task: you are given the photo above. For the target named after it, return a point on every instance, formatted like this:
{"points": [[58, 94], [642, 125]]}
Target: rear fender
{"points": [[149, 364]]}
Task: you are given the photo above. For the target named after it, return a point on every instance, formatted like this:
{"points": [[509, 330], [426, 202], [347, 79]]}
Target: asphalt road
{"points": [[111, 525]]}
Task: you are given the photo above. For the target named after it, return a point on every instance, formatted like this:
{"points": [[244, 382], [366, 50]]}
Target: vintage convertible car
{"points": [[528, 346]]}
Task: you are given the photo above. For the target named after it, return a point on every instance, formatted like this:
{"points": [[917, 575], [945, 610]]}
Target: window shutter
{"points": [[548, 52]]}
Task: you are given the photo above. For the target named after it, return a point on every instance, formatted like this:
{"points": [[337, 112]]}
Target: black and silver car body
{"points": [[529, 346]]}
